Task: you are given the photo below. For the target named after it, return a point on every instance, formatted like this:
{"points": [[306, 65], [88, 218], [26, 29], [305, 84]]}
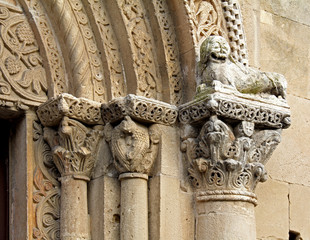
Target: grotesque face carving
{"points": [[215, 49]]}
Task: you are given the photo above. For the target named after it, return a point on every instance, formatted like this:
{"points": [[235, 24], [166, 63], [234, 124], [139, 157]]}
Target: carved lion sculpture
{"points": [[217, 64]]}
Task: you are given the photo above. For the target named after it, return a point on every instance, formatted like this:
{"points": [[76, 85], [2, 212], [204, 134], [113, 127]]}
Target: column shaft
{"points": [[74, 223], [134, 206], [225, 220]]}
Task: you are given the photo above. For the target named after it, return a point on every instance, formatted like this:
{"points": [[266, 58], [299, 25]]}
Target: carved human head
{"points": [[214, 48]]}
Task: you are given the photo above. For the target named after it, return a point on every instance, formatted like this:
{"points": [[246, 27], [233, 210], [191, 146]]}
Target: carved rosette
{"points": [[133, 141], [227, 145], [74, 145]]}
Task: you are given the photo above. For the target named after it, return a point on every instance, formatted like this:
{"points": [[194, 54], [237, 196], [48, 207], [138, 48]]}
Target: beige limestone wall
{"points": [[278, 33]]}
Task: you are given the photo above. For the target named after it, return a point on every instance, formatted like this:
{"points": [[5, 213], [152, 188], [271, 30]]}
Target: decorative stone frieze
{"points": [[230, 130], [140, 108], [221, 100], [82, 109]]}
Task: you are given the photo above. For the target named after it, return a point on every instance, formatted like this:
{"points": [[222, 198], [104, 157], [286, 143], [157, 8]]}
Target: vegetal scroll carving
{"points": [[46, 194], [22, 76], [206, 18], [54, 58], [111, 48], [141, 43]]}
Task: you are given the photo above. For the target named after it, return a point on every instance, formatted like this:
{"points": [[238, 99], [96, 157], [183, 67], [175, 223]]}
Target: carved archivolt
{"points": [[111, 48], [88, 53], [206, 19], [220, 18], [52, 54], [170, 44]]}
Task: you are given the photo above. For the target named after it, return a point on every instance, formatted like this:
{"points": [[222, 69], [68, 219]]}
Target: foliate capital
{"points": [[74, 147]]}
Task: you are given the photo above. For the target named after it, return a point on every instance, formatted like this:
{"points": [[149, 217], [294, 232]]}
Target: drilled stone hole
{"points": [[294, 236]]}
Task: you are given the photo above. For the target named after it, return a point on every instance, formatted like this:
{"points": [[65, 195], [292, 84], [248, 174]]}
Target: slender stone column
{"points": [[225, 220], [74, 224], [134, 206], [74, 147], [134, 147]]}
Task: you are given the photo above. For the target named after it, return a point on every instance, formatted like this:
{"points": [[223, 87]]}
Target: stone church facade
{"points": [[154, 119]]}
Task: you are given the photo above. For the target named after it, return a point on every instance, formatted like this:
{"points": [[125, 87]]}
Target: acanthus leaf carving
{"points": [[221, 158], [74, 147]]}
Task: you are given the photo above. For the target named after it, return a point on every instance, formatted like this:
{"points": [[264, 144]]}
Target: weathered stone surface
{"points": [[105, 217], [134, 206], [272, 215], [286, 52], [228, 220], [165, 208], [168, 153], [187, 215], [298, 11], [292, 153], [251, 18], [299, 200]]}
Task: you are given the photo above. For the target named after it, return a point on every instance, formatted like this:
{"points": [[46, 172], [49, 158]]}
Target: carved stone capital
{"points": [[133, 145], [226, 159], [232, 126], [74, 147]]}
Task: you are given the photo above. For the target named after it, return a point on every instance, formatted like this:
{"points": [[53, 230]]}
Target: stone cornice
{"points": [[84, 110], [223, 101], [139, 108]]}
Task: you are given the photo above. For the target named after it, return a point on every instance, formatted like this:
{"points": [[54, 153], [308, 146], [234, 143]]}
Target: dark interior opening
{"points": [[294, 235], [4, 179]]}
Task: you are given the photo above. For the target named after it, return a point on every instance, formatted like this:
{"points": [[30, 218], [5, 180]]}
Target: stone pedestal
{"points": [[225, 220], [74, 214], [134, 206]]}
